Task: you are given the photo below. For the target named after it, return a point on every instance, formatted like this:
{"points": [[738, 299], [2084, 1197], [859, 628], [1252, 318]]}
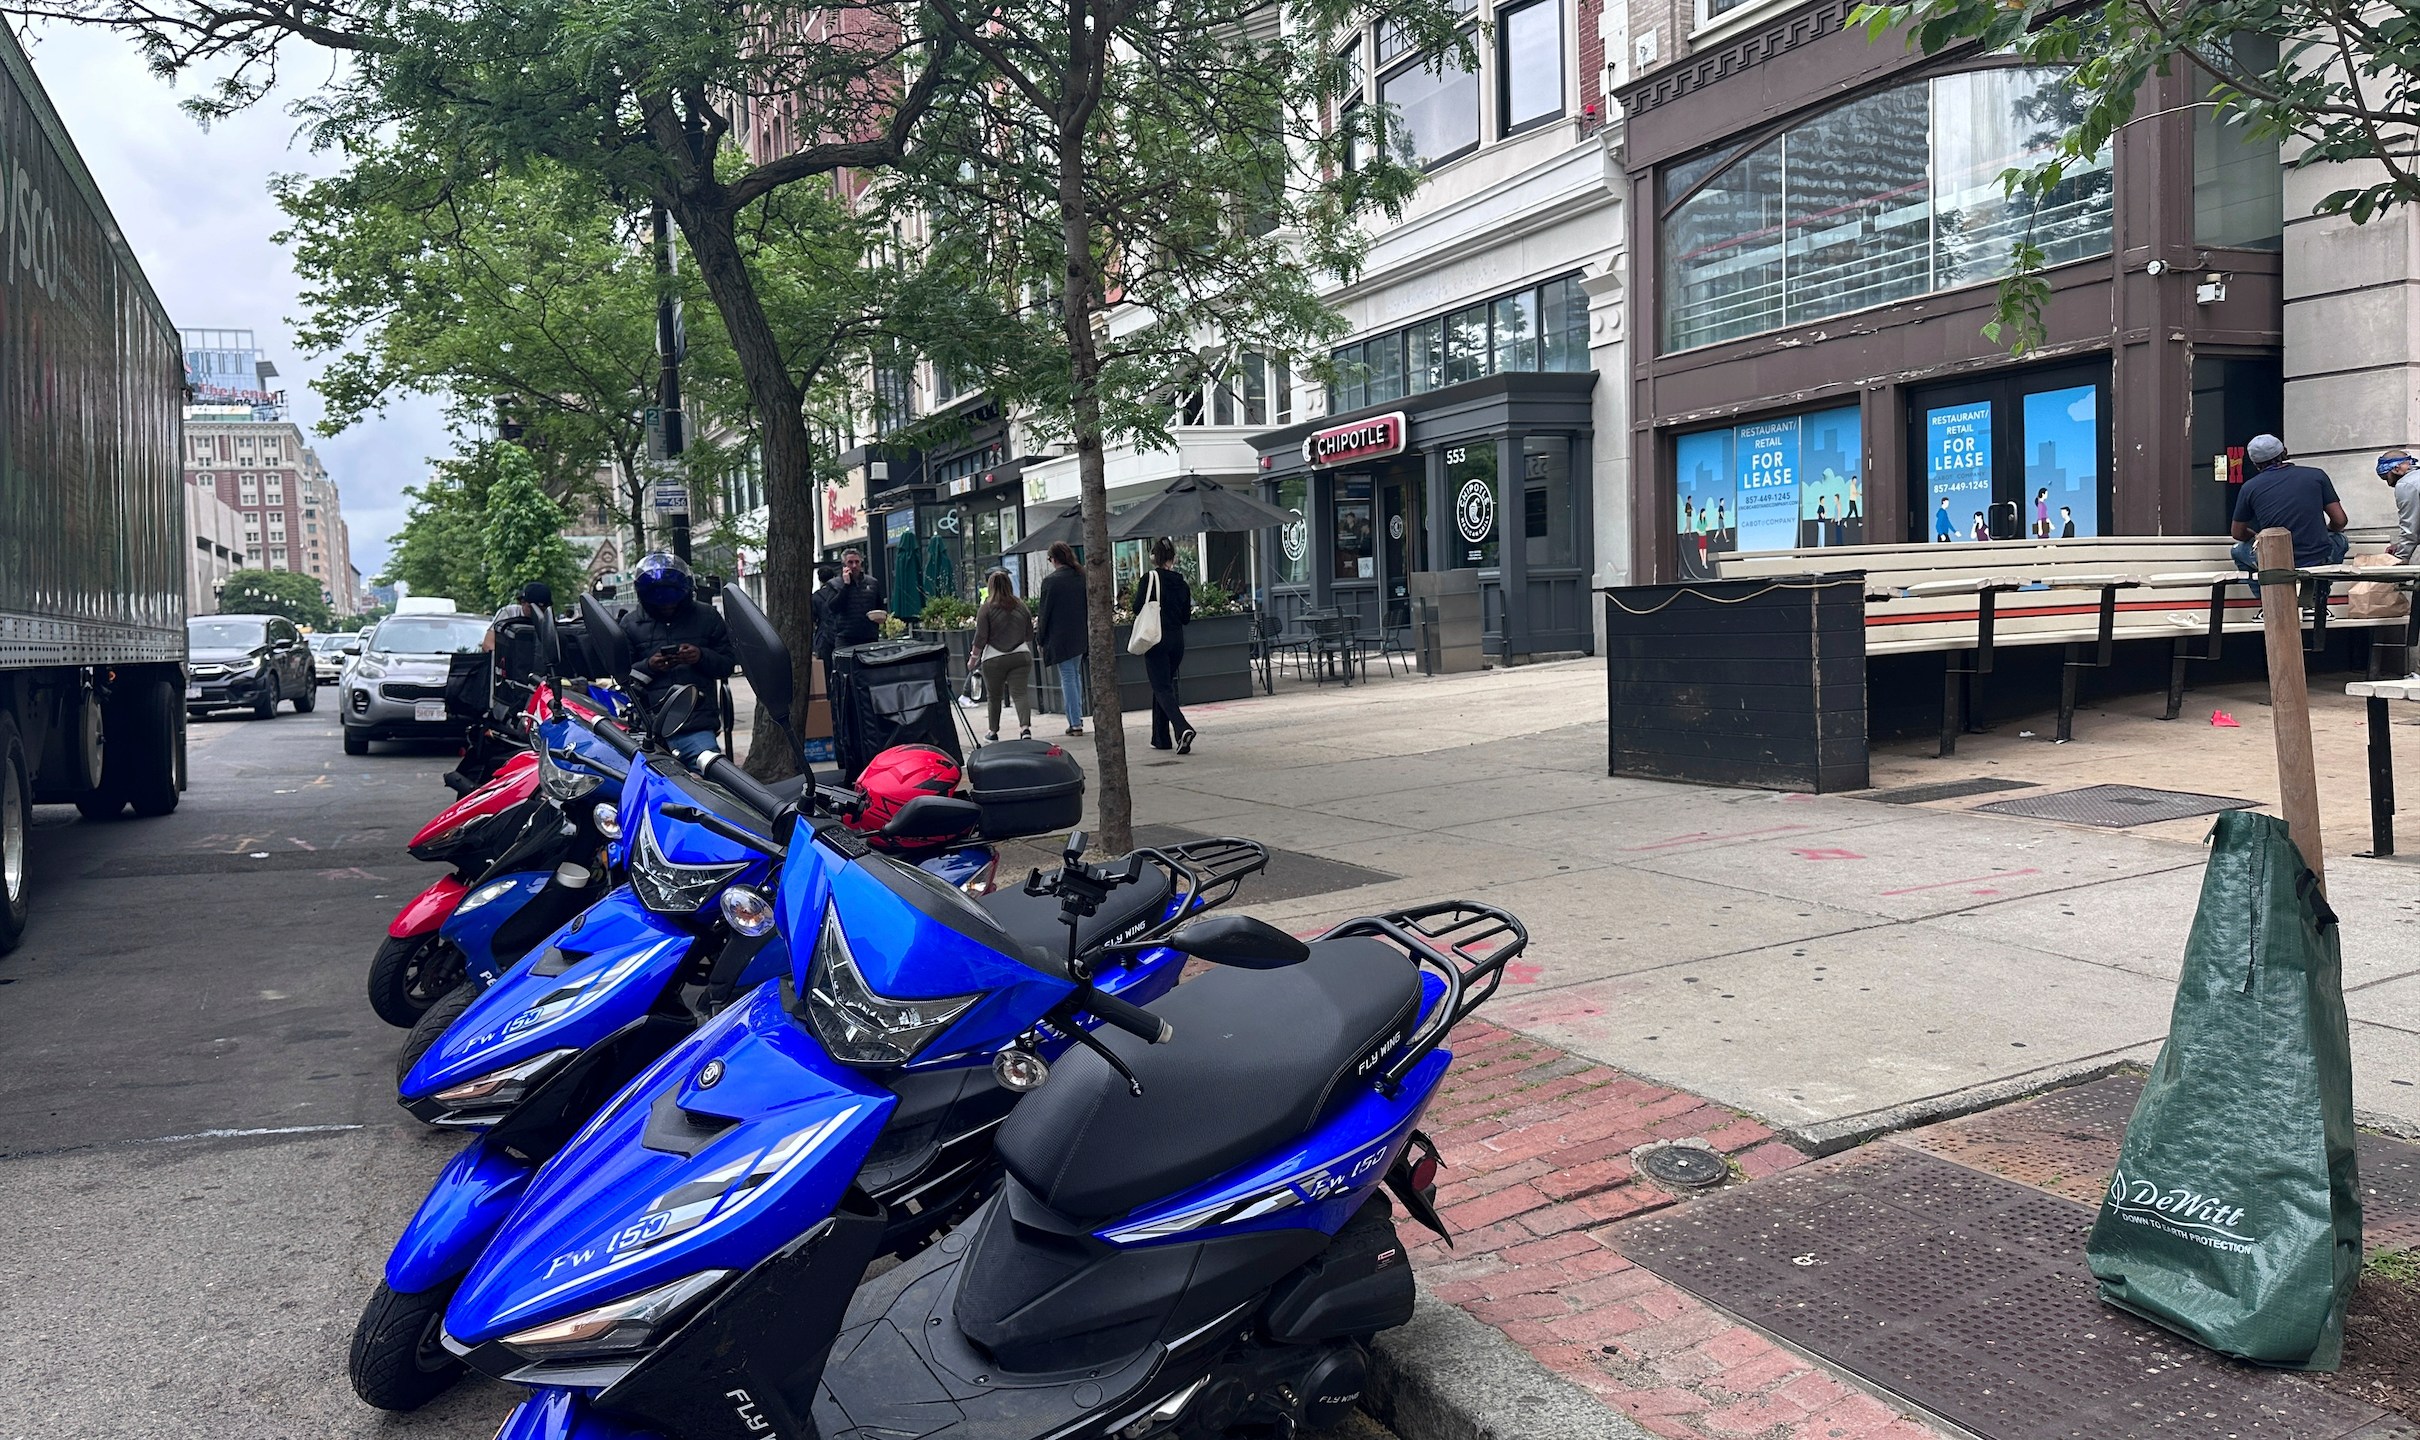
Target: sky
{"points": [[195, 206]]}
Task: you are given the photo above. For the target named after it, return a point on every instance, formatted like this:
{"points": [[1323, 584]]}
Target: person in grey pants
{"points": [[1003, 651], [1061, 618]]}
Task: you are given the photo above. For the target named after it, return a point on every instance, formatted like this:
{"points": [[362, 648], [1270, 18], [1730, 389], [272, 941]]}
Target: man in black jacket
{"points": [[857, 606], [827, 593], [675, 640]]}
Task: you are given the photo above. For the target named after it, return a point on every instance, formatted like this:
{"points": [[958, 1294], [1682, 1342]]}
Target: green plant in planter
{"points": [[946, 612], [893, 628]]}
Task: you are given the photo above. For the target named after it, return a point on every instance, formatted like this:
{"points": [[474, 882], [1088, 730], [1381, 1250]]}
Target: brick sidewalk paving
{"points": [[1536, 1145]]}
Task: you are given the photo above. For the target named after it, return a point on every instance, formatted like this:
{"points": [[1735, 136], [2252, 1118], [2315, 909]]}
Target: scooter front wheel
{"points": [[431, 1027], [398, 1361], [409, 973]]}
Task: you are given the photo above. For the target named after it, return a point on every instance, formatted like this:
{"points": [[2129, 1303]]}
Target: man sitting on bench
{"points": [[2284, 496]]}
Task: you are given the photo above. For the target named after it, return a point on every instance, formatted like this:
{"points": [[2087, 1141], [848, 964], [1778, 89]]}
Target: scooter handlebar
{"points": [[1133, 1019]]}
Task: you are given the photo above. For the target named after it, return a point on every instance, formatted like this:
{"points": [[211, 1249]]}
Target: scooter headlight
{"points": [[668, 888], [747, 911], [505, 1088], [563, 782], [617, 1328], [608, 818], [493, 890], [858, 1026]]}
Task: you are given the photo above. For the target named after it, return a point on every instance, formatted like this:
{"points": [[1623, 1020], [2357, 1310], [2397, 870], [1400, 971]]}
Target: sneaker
{"points": [[2183, 621], [1075, 729], [991, 738], [1025, 732], [1184, 742]]}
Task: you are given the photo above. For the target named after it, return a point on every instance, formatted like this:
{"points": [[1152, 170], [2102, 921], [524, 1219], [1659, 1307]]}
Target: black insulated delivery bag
{"points": [[1025, 787], [890, 692]]}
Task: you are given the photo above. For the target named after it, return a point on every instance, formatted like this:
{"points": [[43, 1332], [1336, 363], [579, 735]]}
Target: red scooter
{"points": [[415, 965]]}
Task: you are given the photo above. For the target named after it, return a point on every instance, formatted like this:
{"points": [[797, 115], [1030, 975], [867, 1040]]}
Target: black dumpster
{"points": [[1755, 682]]}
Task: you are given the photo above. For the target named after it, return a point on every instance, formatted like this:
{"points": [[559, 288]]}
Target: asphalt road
{"points": [[201, 1162]]}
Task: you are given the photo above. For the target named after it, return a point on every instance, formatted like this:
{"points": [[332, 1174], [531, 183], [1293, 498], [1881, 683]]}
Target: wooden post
{"points": [[2290, 700]]}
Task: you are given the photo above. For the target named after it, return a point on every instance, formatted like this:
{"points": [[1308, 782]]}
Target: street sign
{"points": [[671, 496], [664, 440]]}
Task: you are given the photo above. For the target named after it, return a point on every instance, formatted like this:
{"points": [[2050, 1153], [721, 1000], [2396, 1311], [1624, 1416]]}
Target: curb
{"points": [[1830, 1137], [1448, 1376]]}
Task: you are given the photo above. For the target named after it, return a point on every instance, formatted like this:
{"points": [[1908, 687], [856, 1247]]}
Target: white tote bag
{"points": [[1146, 620]]}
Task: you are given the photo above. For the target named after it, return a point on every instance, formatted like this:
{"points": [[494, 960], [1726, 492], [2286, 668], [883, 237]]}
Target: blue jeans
{"points": [[694, 745], [2339, 546], [1071, 689]]}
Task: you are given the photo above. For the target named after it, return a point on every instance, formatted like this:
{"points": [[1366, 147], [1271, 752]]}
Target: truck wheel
{"points": [[266, 705], [356, 744], [100, 805], [16, 817], [144, 739], [409, 973], [398, 1361]]}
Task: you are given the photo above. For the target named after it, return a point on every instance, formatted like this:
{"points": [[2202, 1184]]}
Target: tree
{"points": [[2340, 82], [1149, 160], [275, 592], [522, 532]]}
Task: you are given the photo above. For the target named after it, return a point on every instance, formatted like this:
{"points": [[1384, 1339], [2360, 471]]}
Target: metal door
{"points": [[1405, 546]]}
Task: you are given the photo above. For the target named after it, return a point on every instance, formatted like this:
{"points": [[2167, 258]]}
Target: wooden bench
{"points": [[2377, 694], [1970, 599]]}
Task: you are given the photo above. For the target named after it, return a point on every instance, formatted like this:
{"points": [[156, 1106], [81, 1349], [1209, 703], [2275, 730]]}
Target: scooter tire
{"points": [[398, 1362], [400, 990], [431, 1027]]}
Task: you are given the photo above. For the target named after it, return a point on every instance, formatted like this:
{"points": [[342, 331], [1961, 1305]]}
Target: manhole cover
{"points": [[1684, 1167], [1968, 1295], [2115, 807], [1946, 790]]}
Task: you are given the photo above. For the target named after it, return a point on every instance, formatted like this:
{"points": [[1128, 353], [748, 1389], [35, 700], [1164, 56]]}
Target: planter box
{"points": [[1740, 682], [1218, 652]]}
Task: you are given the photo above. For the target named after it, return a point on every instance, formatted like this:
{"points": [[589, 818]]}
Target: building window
{"points": [[1529, 65], [1543, 327], [1516, 331], [1890, 196], [2238, 183], [1769, 485], [1355, 556], [1291, 564], [1436, 108]]}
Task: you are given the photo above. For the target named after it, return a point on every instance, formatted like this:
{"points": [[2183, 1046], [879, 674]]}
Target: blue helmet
{"points": [[662, 581]]}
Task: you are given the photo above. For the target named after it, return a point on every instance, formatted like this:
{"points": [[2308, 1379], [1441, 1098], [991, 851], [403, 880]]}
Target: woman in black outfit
{"points": [[1161, 661]]}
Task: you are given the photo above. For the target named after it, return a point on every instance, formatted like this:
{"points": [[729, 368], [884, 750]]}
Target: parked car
{"points": [[395, 690], [247, 660], [328, 655]]}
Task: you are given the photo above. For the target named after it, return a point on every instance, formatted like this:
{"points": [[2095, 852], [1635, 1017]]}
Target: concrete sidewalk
{"points": [[1835, 967]]}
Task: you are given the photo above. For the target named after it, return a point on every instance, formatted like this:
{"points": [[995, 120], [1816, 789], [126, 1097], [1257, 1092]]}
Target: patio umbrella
{"points": [[1067, 525], [1194, 505], [907, 578], [940, 572]]}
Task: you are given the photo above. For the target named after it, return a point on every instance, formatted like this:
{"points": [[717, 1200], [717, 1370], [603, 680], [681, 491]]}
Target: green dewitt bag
{"points": [[2234, 1218]]}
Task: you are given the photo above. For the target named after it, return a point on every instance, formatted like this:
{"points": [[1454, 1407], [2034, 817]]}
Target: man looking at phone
{"points": [[677, 641]]}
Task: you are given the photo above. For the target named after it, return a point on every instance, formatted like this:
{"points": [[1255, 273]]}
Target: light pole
{"points": [[668, 378]]}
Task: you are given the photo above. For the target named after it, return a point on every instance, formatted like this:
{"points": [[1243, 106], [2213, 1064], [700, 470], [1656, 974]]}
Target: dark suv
{"points": [[250, 661]]}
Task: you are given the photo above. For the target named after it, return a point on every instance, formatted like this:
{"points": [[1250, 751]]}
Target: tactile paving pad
{"points": [[1968, 1295], [2115, 807]]}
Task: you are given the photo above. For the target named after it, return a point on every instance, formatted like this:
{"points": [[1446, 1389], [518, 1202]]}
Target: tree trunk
{"points": [[1100, 591], [634, 502], [789, 468]]}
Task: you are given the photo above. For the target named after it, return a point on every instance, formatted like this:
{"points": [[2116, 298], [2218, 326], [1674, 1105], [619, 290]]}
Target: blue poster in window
{"points": [[1766, 456], [1957, 471], [2062, 463], [1706, 508], [1831, 492]]}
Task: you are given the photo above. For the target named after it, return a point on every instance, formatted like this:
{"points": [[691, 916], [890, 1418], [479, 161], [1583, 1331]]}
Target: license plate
{"points": [[193, 692], [429, 712]]}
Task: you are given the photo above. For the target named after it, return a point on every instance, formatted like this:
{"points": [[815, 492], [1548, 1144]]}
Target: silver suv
{"points": [[396, 689]]}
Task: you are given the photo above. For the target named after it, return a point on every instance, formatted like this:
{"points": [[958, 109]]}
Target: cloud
{"points": [[195, 206], [2081, 411]]}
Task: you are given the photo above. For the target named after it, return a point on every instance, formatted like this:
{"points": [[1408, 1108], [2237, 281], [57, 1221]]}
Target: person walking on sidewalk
{"points": [[1062, 619], [2402, 475], [2282, 495], [1169, 728], [1003, 650]]}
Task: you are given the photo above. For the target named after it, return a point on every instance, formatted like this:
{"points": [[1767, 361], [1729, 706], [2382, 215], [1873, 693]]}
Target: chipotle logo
{"points": [[1361, 440]]}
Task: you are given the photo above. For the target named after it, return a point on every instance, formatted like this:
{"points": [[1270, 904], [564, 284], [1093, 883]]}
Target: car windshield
{"points": [[329, 644], [224, 634], [429, 634]]}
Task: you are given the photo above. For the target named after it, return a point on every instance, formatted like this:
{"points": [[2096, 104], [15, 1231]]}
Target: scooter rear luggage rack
{"points": [[1468, 944]]}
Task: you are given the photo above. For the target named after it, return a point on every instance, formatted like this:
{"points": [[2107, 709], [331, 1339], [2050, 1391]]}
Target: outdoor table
{"points": [[2376, 694], [1332, 639]]}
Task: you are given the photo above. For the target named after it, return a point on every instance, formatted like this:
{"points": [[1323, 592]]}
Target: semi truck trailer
{"points": [[92, 516]]}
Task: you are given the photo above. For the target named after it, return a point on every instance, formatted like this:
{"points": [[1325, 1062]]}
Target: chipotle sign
{"points": [[1361, 440]]}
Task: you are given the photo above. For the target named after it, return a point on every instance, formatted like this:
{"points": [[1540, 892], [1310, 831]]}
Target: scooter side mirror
{"points": [[675, 711], [608, 648], [933, 817], [763, 658], [1240, 941]]}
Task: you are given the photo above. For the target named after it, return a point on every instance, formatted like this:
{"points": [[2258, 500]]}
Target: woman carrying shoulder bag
{"points": [[1003, 651], [1162, 586]]}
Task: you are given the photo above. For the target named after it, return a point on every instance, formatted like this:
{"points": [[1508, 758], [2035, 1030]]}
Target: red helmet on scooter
{"points": [[896, 776]]}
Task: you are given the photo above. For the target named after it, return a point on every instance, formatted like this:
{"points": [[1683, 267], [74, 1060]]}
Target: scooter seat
{"points": [[1260, 1058], [1033, 920]]}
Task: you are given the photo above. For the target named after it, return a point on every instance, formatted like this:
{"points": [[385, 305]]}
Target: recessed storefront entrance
{"points": [[2022, 456]]}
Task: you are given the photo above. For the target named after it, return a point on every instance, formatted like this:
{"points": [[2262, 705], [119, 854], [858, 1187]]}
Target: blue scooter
{"points": [[1183, 1233]]}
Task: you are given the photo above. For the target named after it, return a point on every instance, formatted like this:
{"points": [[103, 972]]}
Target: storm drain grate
{"points": [[1968, 1295], [1946, 790], [2115, 807]]}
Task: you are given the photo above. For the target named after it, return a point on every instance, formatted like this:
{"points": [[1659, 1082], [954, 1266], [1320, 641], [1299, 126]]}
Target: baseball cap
{"points": [[2264, 448]]}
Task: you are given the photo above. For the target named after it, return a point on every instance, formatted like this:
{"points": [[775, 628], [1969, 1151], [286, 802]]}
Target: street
{"points": [[201, 1162]]}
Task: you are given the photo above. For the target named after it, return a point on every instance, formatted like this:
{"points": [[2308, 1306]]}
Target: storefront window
{"points": [[1126, 564], [1436, 104], [1356, 555], [1889, 196], [1291, 563], [1776, 484], [1470, 488], [1546, 500]]}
